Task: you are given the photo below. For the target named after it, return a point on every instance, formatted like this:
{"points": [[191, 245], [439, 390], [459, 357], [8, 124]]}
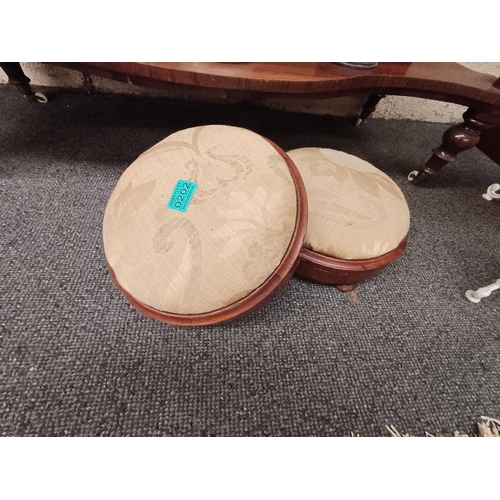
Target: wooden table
{"points": [[450, 82]]}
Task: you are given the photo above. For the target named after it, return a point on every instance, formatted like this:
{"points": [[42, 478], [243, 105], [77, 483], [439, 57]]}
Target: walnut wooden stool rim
{"points": [[345, 274], [262, 294]]}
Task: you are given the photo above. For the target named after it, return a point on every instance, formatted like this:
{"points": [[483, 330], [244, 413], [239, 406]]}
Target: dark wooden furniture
{"points": [[449, 82], [17, 78], [489, 143]]}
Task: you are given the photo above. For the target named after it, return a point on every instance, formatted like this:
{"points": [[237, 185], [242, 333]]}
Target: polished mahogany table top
{"points": [[449, 82]]}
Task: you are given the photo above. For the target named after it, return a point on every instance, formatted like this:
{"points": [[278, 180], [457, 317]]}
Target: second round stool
{"points": [[358, 218]]}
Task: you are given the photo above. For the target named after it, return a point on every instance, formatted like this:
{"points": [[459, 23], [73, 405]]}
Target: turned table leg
{"points": [[368, 108], [456, 139], [17, 77]]}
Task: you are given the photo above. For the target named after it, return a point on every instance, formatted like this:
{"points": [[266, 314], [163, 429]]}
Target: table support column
{"points": [[368, 108], [17, 77], [458, 138]]}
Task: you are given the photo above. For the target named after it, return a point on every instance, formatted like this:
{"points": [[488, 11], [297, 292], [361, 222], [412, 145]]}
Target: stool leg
{"points": [[456, 139]]}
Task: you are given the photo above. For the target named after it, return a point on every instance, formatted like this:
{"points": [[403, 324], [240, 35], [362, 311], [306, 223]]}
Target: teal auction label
{"points": [[181, 196]]}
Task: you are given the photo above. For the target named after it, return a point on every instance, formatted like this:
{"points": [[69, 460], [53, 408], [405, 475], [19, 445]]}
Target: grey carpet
{"points": [[77, 360]]}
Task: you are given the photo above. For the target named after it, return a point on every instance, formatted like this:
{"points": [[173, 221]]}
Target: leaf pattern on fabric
{"points": [[275, 162], [325, 207], [368, 183], [321, 168], [254, 237], [371, 183], [175, 237], [174, 144], [211, 169], [389, 186], [132, 199], [216, 171]]}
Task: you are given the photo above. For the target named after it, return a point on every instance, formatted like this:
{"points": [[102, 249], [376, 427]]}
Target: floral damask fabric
{"points": [[233, 235], [355, 210]]}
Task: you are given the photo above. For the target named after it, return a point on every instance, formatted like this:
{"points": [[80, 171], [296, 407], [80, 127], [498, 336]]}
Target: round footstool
{"points": [[205, 226], [358, 218]]}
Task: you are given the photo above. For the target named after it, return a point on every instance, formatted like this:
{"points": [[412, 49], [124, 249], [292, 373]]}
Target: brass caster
{"points": [[470, 295], [41, 97], [358, 122], [412, 175], [491, 193]]}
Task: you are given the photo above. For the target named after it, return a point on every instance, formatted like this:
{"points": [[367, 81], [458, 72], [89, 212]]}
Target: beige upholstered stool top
{"points": [[194, 256], [356, 211]]}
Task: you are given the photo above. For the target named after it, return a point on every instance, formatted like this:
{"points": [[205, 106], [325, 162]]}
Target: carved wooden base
{"points": [[344, 274], [460, 137]]}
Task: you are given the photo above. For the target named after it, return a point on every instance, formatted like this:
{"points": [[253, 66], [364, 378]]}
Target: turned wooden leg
{"points": [[456, 139], [17, 77], [368, 108]]}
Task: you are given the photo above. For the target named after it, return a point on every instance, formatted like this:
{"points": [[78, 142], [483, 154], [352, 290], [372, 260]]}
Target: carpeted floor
{"points": [[77, 360]]}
